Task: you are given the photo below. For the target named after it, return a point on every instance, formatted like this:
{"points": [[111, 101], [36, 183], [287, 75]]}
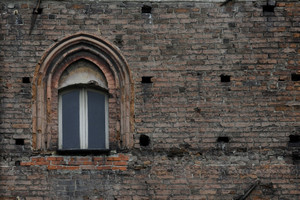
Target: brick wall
{"points": [[216, 100]]}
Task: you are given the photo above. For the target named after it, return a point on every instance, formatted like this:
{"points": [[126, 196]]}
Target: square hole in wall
{"points": [[147, 79], [146, 9], [294, 140], [19, 141], [225, 78], [268, 10], [295, 77], [25, 80], [223, 139]]}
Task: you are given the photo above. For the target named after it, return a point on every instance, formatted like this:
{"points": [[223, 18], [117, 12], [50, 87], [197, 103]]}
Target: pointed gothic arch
{"points": [[55, 61]]}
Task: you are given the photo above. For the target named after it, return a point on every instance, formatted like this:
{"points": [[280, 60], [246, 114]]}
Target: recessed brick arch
{"points": [[55, 60]]}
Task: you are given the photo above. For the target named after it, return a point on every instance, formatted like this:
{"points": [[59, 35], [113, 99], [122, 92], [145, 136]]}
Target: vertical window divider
{"points": [[83, 119], [86, 117]]}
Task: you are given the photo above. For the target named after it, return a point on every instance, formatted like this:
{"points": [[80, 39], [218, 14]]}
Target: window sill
{"points": [[83, 152]]}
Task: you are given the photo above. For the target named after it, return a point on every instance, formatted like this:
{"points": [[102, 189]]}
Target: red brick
{"points": [[124, 157], [120, 163], [27, 163], [296, 35], [119, 168], [181, 10], [55, 158], [78, 6], [113, 159], [103, 167]]}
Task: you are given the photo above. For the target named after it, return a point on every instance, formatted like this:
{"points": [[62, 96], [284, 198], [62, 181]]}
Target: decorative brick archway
{"points": [[48, 71]]}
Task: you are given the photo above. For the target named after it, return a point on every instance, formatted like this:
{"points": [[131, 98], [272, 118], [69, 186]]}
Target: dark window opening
{"points": [[25, 80], [19, 141], [295, 77], [225, 78], [146, 9], [147, 79], [144, 140], [223, 139]]}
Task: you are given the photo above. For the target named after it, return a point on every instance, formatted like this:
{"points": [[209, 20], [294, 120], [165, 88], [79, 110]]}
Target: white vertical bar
{"points": [[81, 118]]}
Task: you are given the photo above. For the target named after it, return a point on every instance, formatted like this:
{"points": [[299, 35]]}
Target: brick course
{"points": [[185, 46]]}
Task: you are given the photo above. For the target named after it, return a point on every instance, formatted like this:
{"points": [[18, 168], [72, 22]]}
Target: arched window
{"points": [[83, 108], [82, 97]]}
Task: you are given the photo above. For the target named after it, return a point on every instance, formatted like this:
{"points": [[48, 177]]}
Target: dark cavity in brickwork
{"points": [[119, 40], [144, 140], [225, 78], [232, 25], [19, 20], [19, 141], [52, 16], [181, 89], [296, 158], [37, 11], [17, 163], [25, 80], [268, 10], [267, 188], [198, 110], [147, 79], [223, 139], [225, 2], [225, 41], [295, 77], [146, 9], [294, 140]]}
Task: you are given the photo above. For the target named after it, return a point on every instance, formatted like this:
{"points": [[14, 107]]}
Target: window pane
{"points": [[70, 120], [96, 120]]}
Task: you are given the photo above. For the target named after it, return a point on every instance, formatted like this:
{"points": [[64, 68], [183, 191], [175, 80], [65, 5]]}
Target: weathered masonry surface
{"points": [[204, 99]]}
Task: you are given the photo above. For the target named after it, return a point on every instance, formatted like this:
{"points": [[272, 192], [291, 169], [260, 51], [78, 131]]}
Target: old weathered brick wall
{"points": [[222, 112]]}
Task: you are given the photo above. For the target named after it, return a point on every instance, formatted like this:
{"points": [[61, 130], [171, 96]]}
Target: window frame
{"points": [[45, 85], [83, 117]]}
